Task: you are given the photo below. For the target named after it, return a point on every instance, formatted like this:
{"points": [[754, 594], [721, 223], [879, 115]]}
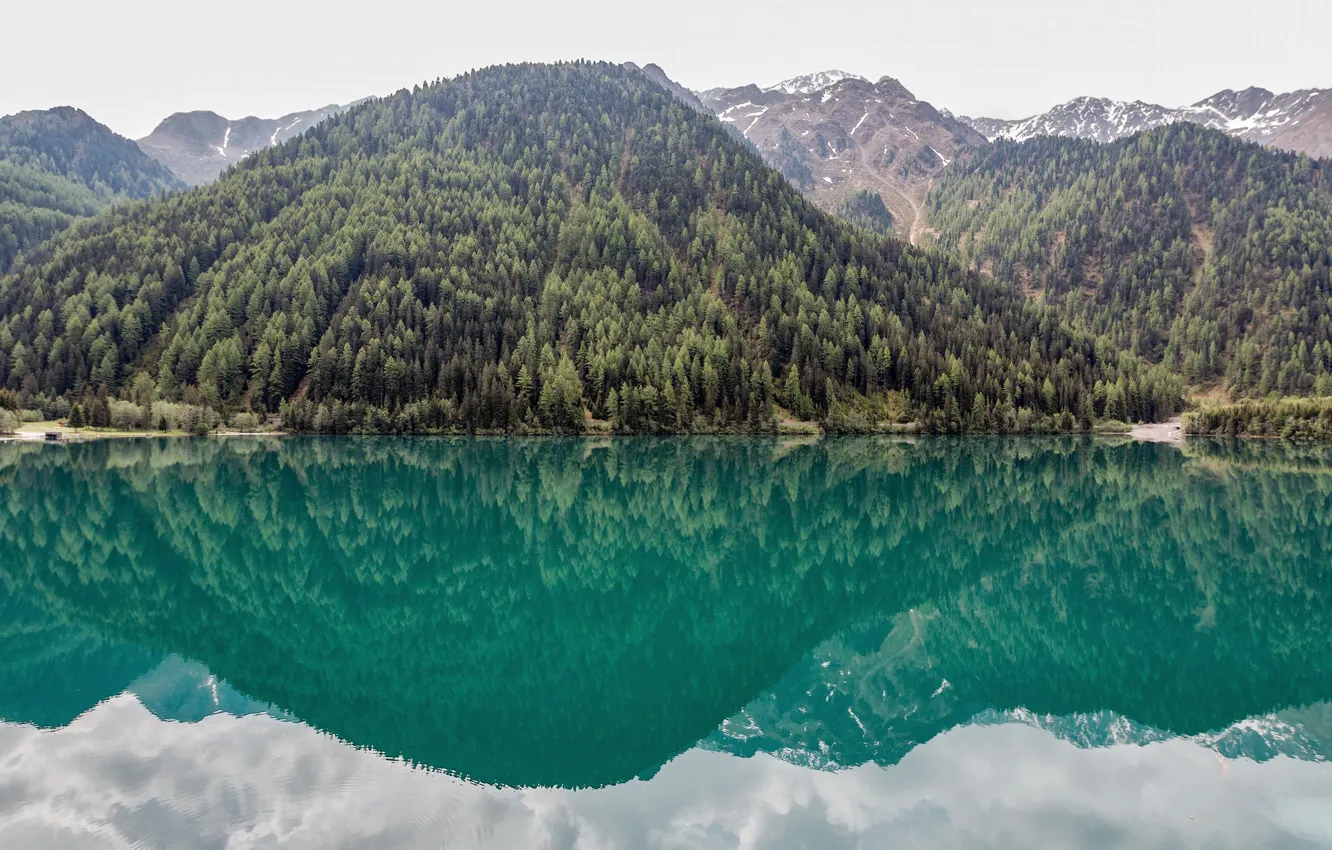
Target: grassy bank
{"points": [[39, 430]]}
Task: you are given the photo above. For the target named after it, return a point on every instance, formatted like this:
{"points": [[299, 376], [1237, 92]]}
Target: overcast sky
{"points": [[130, 63]]}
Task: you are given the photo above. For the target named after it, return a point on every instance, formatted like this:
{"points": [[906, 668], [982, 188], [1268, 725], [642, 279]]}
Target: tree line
{"points": [[526, 247], [1183, 245]]}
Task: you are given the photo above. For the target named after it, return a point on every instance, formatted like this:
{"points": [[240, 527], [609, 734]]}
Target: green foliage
{"points": [[1111, 426], [26, 186], [499, 251], [1290, 418], [126, 415], [866, 209], [60, 165], [8, 421], [190, 418], [247, 422], [35, 205], [67, 143], [792, 160], [1183, 246]]}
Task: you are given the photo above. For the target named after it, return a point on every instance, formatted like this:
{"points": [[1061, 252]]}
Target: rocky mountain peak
{"points": [[198, 145], [1239, 103], [890, 87], [840, 138], [809, 83], [1298, 121], [654, 73]]}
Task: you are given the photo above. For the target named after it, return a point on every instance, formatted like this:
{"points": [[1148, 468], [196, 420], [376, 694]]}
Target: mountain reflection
{"points": [[576, 613]]}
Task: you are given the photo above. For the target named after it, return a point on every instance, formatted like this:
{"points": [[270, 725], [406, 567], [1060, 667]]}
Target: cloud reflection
{"points": [[119, 777]]}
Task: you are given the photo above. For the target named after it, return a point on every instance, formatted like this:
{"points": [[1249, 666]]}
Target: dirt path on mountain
{"points": [[918, 217]]}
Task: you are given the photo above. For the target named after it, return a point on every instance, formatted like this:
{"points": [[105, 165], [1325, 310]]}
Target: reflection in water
{"points": [[569, 614], [256, 782]]}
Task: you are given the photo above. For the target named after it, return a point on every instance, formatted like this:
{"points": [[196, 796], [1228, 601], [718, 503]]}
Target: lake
{"points": [[674, 643]]}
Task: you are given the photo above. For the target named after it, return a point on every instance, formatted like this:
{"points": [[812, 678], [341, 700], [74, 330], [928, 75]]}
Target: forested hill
{"points": [[59, 164], [68, 143], [523, 246], [1183, 245]]}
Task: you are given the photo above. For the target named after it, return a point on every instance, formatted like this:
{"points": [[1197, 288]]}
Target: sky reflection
{"points": [[120, 777]]}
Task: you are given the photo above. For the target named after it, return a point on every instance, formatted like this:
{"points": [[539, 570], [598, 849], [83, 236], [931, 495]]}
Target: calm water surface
{"points": [[713, 643]]}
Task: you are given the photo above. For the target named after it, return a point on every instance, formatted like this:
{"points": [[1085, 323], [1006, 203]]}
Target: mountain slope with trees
{"points": [[1182, 245], [518, 248], [68, 143], [59, 165]]}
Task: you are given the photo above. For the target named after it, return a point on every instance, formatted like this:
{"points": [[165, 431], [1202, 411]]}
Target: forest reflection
{"points": [[577, 612]]}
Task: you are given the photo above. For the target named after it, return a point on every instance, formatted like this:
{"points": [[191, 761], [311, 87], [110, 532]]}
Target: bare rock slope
{"points": [[835, 139], [197, 146]]}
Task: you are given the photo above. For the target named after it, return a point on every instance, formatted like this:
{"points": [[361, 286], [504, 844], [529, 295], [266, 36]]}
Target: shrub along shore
{"points": [[1289, 418]]}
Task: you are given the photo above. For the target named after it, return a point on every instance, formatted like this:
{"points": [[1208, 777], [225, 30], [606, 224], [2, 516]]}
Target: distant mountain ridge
{"points": [[809, 83], [627, 190], [842, 140], [1299, 121], [654, 73], [59, 165], [836, 139], [69, 143], [197, 146]]}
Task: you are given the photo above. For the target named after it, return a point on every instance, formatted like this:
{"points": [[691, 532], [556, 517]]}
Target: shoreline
{"points": [[1145, 433], [1170, 432]]}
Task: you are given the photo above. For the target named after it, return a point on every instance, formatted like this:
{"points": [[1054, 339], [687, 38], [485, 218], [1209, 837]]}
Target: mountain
{"points": [[1095, 118], [68, 143], [679, 92], [197, 146], [1184, 245], [1299, 121], [523, 246], [848, 137], [58, 165], [810, 83]]}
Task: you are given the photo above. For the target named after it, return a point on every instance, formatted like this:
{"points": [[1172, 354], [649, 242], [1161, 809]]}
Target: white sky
{"points": [[129, 63]]}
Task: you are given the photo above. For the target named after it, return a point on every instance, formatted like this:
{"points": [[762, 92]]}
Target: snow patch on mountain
{"points": [[861, 121], [1100, 119], [1257, 738], [285, 131], [198, 145], [809, 83], [1253, 114]]}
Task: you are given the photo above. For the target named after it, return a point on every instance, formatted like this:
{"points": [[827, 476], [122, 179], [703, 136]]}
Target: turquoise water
{"points": [[664, 643]]}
